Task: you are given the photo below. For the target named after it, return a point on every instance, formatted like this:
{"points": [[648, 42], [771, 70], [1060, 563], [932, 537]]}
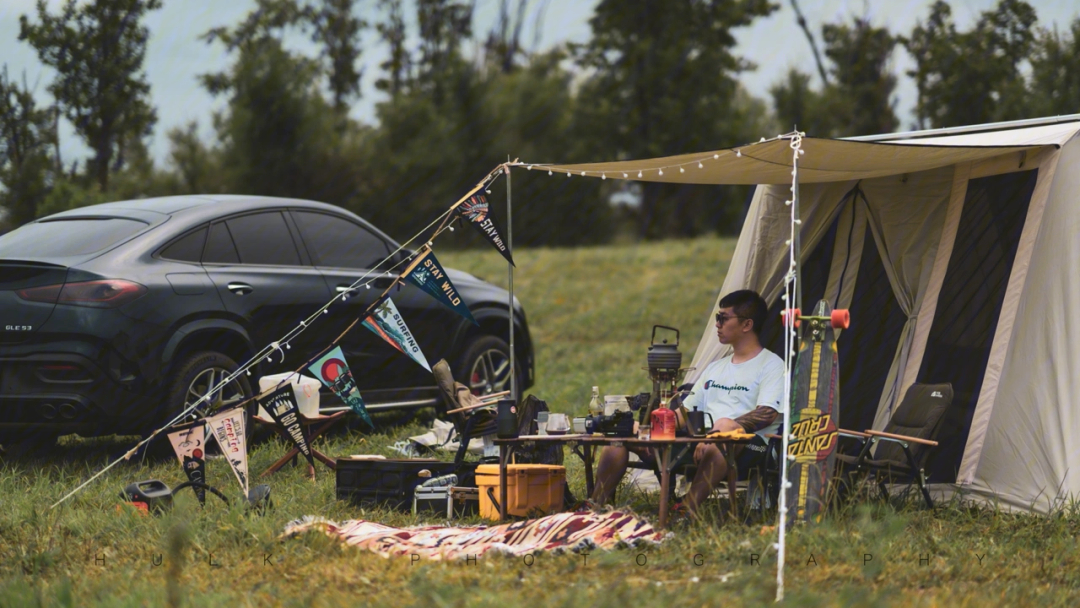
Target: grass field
{"points": [[590, 311]]}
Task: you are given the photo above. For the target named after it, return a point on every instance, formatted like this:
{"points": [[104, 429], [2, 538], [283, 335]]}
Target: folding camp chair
{"points": [[905, 443], [471, 415]]}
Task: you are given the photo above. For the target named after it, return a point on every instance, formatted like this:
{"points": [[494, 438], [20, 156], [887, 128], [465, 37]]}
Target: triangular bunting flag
{"points": [[228, 429], [282, 406], [332, 370], [426, 273], [478, 213], [388, 324], [188, 441]]}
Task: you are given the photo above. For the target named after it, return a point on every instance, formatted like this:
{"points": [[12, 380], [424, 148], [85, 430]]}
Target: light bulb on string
{"points": [[661, 171], [700, 166], [639, 174], [681, 170], [582, 174], [549, 172], [624, 176], [603, 176], [715, 156], [738, 153]]}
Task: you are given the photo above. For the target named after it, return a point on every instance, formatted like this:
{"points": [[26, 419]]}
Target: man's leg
{"points": [[711, 470], [609, 472]]}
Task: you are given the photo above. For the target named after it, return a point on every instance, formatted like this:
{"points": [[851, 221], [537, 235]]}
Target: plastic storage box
{"points": [[530, 489], [368, 482]]}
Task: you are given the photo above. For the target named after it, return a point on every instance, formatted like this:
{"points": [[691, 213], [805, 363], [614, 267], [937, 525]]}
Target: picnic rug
{"points": [[575, 532]]}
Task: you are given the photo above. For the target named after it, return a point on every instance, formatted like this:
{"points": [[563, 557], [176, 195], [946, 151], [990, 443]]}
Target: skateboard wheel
{"points": [[841, 319], [795, 312]]}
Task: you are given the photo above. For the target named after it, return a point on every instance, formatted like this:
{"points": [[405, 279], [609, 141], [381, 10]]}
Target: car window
{"points": [[60, 238], [219, 246], [335, 241], [187, 248], [263, 238]]}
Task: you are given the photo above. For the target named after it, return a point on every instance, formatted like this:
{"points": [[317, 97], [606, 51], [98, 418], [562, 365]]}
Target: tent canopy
{"points": [[958, 255]]}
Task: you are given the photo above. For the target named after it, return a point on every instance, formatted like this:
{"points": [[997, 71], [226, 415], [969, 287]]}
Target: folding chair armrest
{"points": [[894, 437], [859, 434]]}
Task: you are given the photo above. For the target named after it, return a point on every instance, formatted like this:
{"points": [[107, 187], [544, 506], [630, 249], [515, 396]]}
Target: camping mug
{"points": [[506, 422], [695, 423]]}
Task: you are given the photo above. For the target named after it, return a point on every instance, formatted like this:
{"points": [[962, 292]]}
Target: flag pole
{"points": [[510, 270]]}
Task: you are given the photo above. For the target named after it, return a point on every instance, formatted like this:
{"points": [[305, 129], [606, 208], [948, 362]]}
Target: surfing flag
{"points": [[282, 406], [476, 210], [387, 323], [228, 429], [188, 441], [426, 273], [332, 370]]}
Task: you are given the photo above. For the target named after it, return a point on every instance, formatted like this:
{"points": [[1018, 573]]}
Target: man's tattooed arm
{"points": [[761, 417]]}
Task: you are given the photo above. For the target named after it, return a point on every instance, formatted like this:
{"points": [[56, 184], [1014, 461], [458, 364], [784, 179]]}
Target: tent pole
{"points": [[510, 270]]}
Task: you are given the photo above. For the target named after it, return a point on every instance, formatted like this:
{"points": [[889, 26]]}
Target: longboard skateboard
{"points": [[815, 411]]}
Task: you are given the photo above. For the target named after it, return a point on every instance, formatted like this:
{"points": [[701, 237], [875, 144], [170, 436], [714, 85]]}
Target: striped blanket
{"points": [[560, 532]]}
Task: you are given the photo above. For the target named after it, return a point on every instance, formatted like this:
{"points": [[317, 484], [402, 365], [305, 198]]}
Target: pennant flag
{"points": [[228, 429], [332, 370], [478, 213], [188, 441], [283, 409], [427, 274], [388, 324]]}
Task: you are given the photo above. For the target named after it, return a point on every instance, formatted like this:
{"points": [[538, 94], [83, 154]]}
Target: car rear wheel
{"points": [[195, 375], [485, 366]]}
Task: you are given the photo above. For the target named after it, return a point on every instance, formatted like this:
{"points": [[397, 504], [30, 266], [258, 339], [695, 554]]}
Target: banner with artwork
{"points": [[387, 323], [427, 274], [228, 429], [282, 406], [478, 213], [332, 370], [188, 441]]}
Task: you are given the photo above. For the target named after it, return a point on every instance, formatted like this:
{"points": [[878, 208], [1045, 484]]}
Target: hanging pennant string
{"points": [[276, 345], [791, 301]]}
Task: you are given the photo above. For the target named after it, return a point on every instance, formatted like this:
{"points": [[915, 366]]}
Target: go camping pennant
{"points": [[188, 441], [388, 324], [332, 370], [478, 213], [426, 273], [228, 429], [281, 404]]}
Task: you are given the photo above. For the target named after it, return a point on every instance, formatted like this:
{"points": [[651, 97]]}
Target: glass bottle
{"points": [[596, 407], [663, 420]]}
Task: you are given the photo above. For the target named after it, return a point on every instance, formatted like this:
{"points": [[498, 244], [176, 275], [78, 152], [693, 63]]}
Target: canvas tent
{"points": [[958, 254]]}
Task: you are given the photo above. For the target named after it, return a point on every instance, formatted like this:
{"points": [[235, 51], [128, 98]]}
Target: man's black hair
{"points": [[748, 305]]}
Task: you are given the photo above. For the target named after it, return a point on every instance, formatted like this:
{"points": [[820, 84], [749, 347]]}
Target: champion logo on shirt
{"points": [[710, 384]]}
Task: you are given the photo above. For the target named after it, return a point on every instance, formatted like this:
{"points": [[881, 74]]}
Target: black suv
{"points": [[115, 316]]}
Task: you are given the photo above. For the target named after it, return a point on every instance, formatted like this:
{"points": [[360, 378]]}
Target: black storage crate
{"points": [[369, 483]]}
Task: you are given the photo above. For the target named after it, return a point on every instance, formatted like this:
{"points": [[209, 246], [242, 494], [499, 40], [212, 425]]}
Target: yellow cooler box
{"points": [[530, 489]]}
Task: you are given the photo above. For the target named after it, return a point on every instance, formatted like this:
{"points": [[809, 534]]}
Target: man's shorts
{"points": [[748, 456]]}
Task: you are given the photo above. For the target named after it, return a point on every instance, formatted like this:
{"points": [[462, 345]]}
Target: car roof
{"points": [[173, 205]]}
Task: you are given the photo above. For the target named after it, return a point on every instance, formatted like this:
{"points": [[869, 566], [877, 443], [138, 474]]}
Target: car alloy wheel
{"points": [[486, 366], [222, 398]]}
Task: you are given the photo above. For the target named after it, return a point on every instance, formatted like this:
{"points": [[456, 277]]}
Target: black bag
{"points": [[526, 416]]}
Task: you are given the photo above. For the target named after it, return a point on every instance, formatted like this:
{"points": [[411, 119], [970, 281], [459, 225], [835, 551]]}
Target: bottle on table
{"points": [[596, 406], [663, 422]]}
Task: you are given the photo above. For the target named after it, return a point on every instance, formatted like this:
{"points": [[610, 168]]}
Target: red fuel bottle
{"points": [[663, 423]]}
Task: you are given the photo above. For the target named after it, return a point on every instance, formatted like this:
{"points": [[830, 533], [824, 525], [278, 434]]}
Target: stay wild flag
{"points": [[427, 273], [478, 213]]}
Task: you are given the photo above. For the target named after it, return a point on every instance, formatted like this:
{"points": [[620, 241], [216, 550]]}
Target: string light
{"points": [[639, 174], [738, 153], [549, 172], [624, 176], [661, 171], [681, 170], [603, 176], [700, 166]]}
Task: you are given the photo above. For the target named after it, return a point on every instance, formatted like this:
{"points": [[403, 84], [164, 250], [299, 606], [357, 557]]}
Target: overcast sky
{"points": [[175, 56]]}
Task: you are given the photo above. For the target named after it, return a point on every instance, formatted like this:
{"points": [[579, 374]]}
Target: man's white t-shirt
{"points": [[729, 390]]}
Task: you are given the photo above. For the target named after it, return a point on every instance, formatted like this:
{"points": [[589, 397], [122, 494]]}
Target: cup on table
{"points": [[579, 425], [542, 422], [558, 424]]}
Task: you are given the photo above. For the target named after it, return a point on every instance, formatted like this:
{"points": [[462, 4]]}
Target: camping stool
{"points": [[311, 431]]}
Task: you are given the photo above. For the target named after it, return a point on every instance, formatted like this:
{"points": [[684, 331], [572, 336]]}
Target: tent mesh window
{"points": [[867, 348], [966, 317]]}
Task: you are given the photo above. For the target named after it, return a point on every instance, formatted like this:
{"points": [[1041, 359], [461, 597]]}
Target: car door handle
{"points": [[240, 289]]}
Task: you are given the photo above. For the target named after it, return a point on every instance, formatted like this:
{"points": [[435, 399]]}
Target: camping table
{"points": [[313, 432], [585, 447]]}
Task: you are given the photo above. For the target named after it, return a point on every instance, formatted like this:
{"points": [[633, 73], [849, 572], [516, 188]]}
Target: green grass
{"points": [[590, 311]]}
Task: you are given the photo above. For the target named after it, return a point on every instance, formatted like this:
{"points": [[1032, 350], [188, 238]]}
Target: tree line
{"points": [[657, 77]]}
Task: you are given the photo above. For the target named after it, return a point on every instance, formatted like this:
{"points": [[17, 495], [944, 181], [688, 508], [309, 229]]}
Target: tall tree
{"points": [[1055, 72], [975, 76], [398, 66], [663, 81], [337, 28], [97, 49], [27, 133]]}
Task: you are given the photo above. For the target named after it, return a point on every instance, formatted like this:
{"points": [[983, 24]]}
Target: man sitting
{"points": [[741, 391]]}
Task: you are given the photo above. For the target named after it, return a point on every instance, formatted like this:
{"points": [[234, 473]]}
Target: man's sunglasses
{"points": [[722, 318]]}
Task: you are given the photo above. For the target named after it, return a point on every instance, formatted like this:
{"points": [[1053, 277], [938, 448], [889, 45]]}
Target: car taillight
{"points": [[109, 293]]}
